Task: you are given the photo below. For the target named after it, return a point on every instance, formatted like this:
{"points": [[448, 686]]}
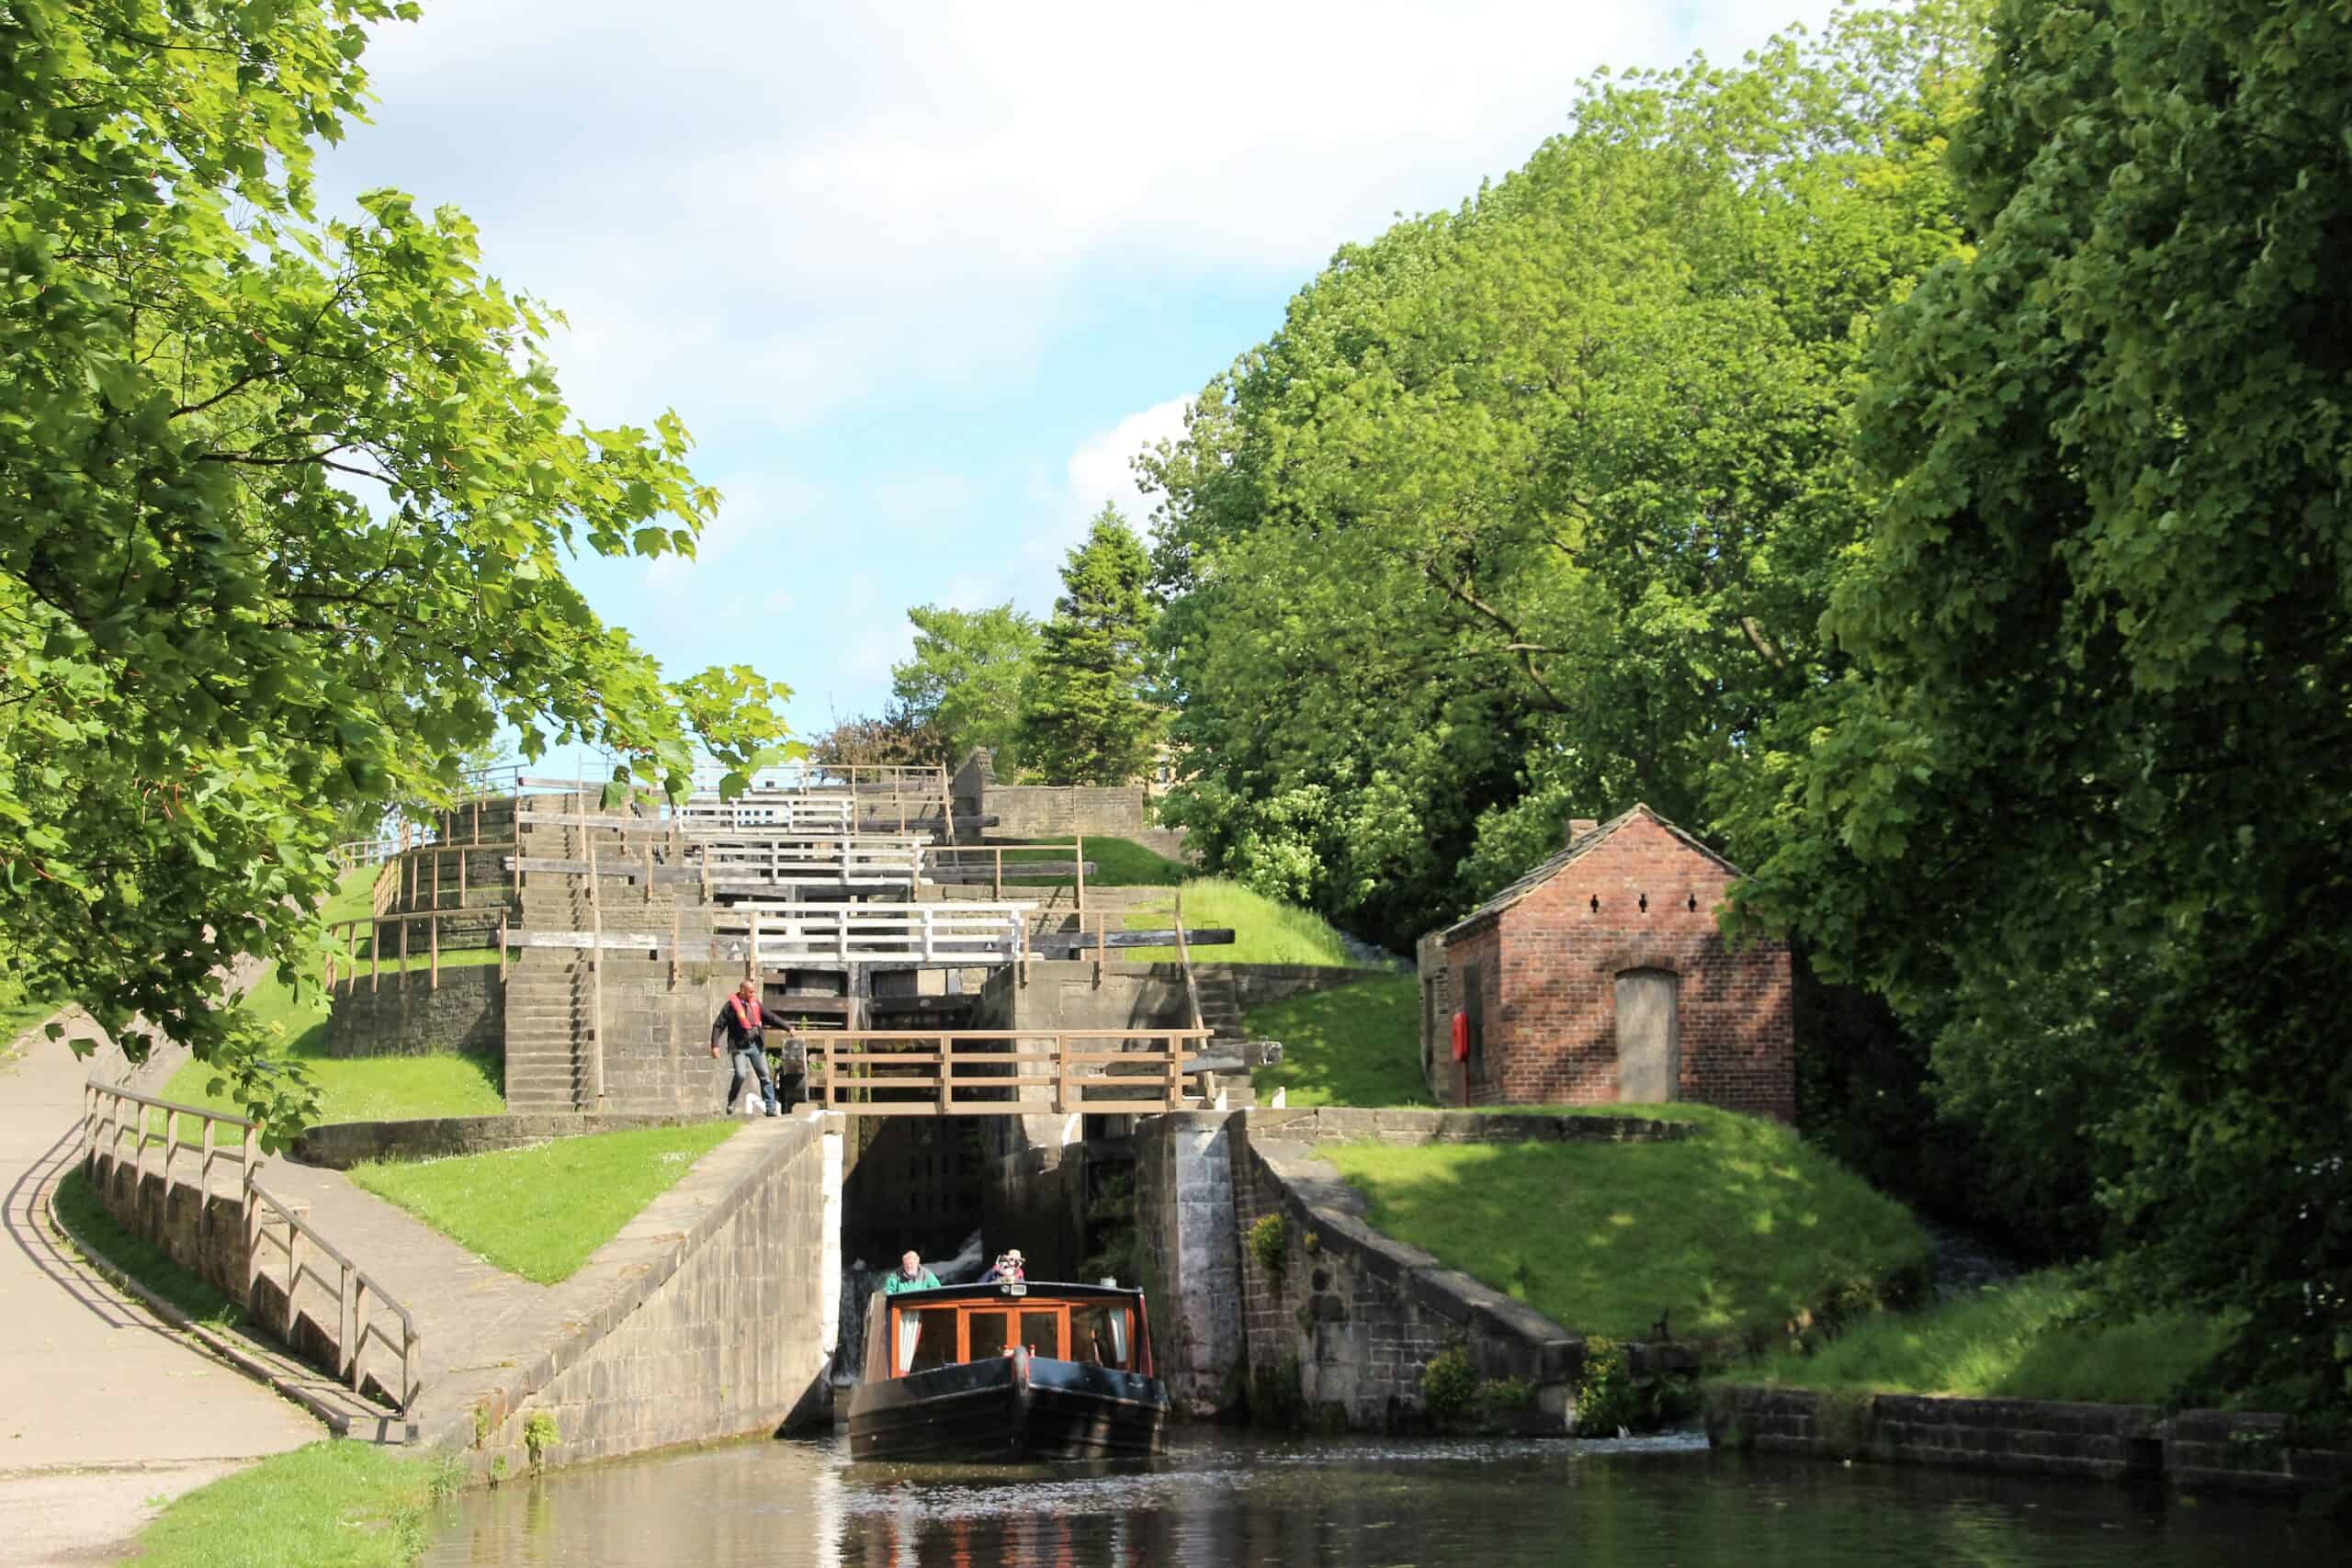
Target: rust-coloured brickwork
{"points": [[1641, 898]]}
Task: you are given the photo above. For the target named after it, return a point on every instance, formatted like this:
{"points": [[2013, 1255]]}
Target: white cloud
{"points": [[1102, 468]]}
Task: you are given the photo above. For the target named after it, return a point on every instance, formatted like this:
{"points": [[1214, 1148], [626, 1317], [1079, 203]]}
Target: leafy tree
{"points": [[287, 503], [962, 686], [2083, 804], [894, 739], [1532, 508], [1086, 713]]}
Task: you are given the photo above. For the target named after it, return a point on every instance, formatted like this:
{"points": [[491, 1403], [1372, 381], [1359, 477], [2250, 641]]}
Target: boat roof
{"points": [[1049, 1290]]}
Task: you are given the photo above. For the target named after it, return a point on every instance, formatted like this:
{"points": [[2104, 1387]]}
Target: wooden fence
{"points": [[112, 1115], [991, 1072]]}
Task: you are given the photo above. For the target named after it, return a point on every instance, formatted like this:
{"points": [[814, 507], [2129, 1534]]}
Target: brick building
{"points": [[1600, 976]]}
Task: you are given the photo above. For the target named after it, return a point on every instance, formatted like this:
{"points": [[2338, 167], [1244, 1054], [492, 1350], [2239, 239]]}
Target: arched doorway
{"points": [[1649, 1037]]}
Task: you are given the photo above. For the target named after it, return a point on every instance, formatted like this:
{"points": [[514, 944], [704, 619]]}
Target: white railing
{"points": [[782, 934], [849, 861]]}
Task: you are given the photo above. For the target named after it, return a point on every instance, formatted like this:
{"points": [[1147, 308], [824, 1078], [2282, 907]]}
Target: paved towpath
{"points": [[105, 1410]]}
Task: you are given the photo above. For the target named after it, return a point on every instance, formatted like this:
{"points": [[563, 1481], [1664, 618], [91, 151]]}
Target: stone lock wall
{"points": [[407, 1015], [1184, 1218], [1643, 898], [204, 1234], [723, 1330]]}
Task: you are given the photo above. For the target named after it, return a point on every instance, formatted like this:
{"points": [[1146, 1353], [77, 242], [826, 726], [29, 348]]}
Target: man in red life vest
{"points": [[743, 1022]]}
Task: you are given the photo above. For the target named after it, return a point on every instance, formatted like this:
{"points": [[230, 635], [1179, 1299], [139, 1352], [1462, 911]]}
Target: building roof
{"points": [[1545, 871]]}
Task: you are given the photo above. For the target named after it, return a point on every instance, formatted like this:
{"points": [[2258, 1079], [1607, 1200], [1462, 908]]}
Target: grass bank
{"points": [[2029, 1338], [19, 1012], [1357, 1044], [330, 1504], [1732, 1231], [1265, 931], [542, 1211], [1118, 863], [353, 1089]]}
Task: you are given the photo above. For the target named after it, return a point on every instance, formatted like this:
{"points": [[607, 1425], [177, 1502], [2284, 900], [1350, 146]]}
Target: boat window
{"points": [[1042, 1332], [934, 1338], [1098, 1336], [987, 1334]]}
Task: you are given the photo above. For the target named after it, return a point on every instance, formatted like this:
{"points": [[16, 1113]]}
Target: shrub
{"points": [[1270, 1244], [1449, 1385]]}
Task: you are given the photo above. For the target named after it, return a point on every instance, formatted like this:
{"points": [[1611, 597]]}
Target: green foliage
{"points": [[1357, 1044], [290, 1032], [1265, 931], [1270, 1244], [1277, 1396], [2039, 1337], [1737, 1231], [2080, 809], [964, 683], [1450, 1385], [328, 1505], [1088, 715], [539, 1435], [20, 1012], [1607, 1400], [1531, 509], [288, 503], [542, 1211]]}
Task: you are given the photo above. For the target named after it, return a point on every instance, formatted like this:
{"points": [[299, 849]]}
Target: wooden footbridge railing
{"points": [[1002, 1072]]}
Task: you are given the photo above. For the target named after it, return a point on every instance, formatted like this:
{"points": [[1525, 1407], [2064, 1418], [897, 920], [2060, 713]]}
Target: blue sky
{"points": [[920, 278]]}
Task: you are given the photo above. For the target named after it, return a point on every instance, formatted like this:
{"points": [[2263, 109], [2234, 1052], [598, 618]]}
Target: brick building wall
{"points": [[1640, 898]]}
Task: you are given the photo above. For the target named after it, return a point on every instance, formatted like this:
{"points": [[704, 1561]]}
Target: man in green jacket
{"points": [[910, 1275]]}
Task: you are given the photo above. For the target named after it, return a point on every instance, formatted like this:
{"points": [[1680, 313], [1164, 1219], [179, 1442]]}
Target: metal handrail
{"points": [[354, 1285]]}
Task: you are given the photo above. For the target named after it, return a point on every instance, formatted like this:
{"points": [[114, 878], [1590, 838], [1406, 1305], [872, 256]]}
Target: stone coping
{"points": [[1332, 1124], [2219, 1449], [577, 1315], [339, 1145]]}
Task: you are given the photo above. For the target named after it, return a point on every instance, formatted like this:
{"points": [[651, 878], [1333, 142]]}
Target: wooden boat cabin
{"points": [[994, 1370]]}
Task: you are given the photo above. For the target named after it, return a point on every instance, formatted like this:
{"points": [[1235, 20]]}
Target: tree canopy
{"points": [[1531, 508], [2081, 801], [290, 501], [962, 686], [1088, 714]]}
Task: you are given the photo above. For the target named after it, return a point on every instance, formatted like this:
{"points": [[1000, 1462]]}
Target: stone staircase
{"points": [[549, 1005], [1220, 1004]]}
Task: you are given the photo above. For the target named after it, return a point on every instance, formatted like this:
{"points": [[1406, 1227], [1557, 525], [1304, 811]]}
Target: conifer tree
{"points": [[1086, 712]]}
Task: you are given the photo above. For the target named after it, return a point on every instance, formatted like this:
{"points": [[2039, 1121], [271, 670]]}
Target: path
{"points": [[104, 1409]]}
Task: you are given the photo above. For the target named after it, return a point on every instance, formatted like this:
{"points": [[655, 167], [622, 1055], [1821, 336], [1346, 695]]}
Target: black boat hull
{"points": [[1008, 1409]]}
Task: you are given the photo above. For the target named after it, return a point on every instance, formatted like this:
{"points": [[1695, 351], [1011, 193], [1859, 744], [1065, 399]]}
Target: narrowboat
{"points": [[1007, 1371]]}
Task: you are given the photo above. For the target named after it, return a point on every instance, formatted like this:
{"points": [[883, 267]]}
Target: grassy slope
{"points": [[355, 1089], [542, 1211], [1118, 863], [330, 1504], [1358, 1044], [18, 1013], [2011, 1341], [1737, 1229], [1265, 931]]}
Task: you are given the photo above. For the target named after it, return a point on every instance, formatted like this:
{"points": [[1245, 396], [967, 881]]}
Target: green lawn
{"points": [[328, 1505], [76, 1203], [1118, 863], [1359, 1044], [1265, 931], [2024, 1339], [18, 1013], [352, 896], [354, 1088], [1737, 1229], [543, 1210]]}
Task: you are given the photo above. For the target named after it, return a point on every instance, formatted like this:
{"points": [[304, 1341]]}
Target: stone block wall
{"points": [[1184, 1219], [1026, 811], [408, 1015], [2226, 1450], [721, 1328], [203, 1233], [1643, 898], [339, 1145]]}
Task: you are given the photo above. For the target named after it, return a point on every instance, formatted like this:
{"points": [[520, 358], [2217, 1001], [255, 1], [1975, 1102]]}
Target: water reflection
{"points": [[1238, 1498]]}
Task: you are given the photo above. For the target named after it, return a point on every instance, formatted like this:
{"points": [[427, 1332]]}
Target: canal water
{"points": [[1222, 1497]]}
